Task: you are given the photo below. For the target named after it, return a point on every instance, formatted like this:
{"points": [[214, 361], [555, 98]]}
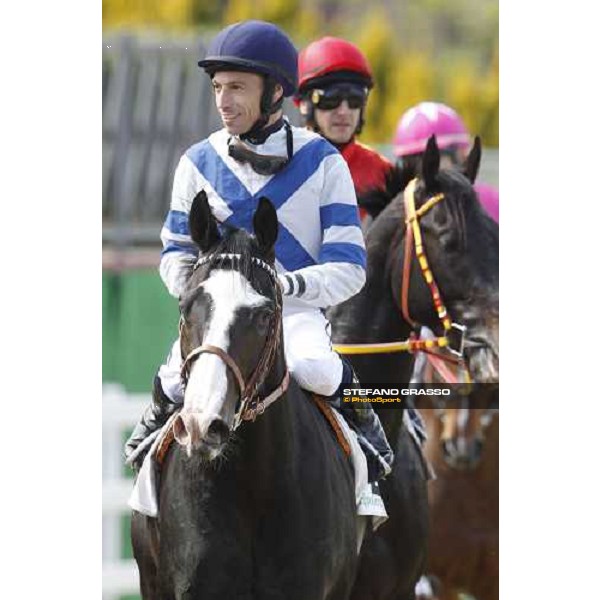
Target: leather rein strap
{"points": [[413, 232]]}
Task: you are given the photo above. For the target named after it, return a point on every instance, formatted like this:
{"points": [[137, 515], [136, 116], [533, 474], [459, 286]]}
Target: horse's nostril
{"points": [[449, 452], [217, 432], [180, 431], [476, 450]]}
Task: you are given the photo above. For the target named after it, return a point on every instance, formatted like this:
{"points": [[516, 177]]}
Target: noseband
{"points": [[250, 403]]}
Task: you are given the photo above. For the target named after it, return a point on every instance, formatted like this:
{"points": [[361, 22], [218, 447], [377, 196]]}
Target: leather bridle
{"points": [[454, 333], [250, 404], [414, 237]]}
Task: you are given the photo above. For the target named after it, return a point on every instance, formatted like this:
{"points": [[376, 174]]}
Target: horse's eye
{"points": [[452, 246], [262, 318], [264, 313], [450, 242]]}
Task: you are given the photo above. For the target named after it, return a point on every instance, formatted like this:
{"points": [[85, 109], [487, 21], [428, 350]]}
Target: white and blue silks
{"points": [[320, 245]]}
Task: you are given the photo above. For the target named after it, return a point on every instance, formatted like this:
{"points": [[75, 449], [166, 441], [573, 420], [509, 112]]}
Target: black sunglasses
{"points": [[331, 99]]}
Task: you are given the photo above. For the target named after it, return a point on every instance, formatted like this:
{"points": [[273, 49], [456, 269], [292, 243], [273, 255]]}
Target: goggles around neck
{"points": [[331, 97], [263, 164]]}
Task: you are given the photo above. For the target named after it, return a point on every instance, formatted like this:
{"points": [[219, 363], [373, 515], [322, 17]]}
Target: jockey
{"points": [[334, 83], [422, 121], [320, 252]]}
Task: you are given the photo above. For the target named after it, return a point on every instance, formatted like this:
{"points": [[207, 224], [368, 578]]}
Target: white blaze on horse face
{"points": [[207, 385], [462, 422]]}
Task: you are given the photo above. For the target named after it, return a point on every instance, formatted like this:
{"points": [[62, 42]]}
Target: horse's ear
{"points": [[265, 225], [431, 161], [202, 223], [471, 167]]}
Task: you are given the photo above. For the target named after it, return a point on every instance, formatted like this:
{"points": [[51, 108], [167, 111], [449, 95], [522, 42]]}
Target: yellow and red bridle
{"points": [[413, 237]]}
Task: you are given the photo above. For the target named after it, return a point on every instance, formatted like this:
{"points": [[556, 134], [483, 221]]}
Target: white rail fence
{"points": [[120, 411]]}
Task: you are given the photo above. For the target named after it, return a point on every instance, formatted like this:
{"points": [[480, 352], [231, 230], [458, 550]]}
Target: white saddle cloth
{"points": [[144, 497]]}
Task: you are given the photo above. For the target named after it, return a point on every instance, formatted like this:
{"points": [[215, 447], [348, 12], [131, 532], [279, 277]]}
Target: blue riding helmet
{"points": [[255, 46]]}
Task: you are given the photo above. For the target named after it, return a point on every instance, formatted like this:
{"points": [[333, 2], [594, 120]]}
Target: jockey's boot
{"points": [[365, 421], [153, 418]]}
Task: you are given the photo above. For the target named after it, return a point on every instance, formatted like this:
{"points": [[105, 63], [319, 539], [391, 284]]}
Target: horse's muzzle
{"points": [[484, 365], [462, 456], [198, 431]]}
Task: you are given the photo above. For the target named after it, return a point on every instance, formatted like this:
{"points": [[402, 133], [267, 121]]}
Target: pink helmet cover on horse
{"points": [[422, 121]]}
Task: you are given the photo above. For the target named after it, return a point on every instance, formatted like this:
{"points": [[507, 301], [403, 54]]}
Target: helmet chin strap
{"points": [[255, 134]]}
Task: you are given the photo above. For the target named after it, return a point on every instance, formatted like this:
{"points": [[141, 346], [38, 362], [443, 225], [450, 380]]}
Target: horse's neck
{"points": [[274, 379], [374, 316], [265, 452]]}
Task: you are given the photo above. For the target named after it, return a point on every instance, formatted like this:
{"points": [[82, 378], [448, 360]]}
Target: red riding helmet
{"points": [[330, 59]]}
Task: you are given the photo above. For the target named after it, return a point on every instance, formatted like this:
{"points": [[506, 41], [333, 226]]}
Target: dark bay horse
{"points": [[462, 446], [461, 245], [257, 498]]}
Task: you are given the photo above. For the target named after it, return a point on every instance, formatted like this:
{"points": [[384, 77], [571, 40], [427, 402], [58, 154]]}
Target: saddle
{"points": [[327, 411], [144, 497], [167, 435]]}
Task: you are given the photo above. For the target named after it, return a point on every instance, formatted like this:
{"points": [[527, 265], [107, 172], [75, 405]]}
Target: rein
{"points": [[454, 333], [251, 405]]}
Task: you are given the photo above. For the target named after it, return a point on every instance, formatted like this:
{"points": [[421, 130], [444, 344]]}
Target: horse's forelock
{"points": [[240, 243], [478, 233], [459, 199]]}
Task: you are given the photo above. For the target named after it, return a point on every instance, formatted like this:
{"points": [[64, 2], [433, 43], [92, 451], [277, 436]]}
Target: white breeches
{"points": [[308, 353]]}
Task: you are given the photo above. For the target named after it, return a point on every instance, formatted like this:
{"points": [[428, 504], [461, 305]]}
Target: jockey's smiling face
{"points": [[338, 125], [237, 96]]}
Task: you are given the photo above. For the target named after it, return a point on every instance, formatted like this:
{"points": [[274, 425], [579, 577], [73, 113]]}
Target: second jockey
{"points": [[334, 83], [422, 121]]}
